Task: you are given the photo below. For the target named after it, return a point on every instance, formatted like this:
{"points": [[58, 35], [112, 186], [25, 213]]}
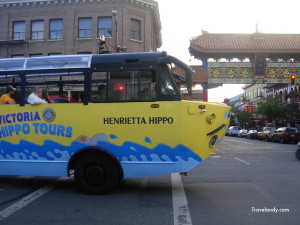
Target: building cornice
{"points": [[147, 4], [18, 3]]}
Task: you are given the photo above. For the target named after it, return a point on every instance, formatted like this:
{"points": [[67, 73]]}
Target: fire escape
{"points": [[9, 39]]}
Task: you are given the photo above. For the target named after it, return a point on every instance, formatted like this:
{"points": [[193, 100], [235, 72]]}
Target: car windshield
{"points": [[291, 129]]}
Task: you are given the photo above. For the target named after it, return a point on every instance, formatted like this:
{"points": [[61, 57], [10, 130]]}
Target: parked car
{"points": [[266, 133], [285, 135], [242, 133], [233, 130], [252, 134]]}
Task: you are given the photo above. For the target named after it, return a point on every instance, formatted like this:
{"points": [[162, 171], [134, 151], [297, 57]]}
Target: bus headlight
{"points": [[213, 141]]}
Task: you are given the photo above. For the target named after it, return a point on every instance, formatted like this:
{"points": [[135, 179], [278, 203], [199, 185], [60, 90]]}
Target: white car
{"points": [[233, 130], [242, 133]]}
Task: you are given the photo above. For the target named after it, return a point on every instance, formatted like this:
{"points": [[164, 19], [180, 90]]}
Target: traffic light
{"points": [[102, 41], [293, 79]]}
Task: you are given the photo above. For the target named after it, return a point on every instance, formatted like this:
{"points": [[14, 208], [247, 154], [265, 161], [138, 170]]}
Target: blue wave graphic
{"points": [[51, 150], [135, 159]]}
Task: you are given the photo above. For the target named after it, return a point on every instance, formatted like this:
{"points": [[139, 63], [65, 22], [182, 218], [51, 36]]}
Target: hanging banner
{"points": [[260, 65]]}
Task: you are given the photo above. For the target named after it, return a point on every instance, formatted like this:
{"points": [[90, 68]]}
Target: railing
{"points": [[10, 35]]}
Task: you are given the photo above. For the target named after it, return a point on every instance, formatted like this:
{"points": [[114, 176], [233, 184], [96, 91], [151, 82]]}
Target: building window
{"points": [[84, 53], [85, 28], [135, 29], [17, 56], [56, 29], [105, 26], [54, 54], [37, 30], [19, 30], [36, 55]]}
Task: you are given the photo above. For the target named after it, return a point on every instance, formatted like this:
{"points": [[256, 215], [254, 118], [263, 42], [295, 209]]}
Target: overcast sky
{"points": [[183, 19]]}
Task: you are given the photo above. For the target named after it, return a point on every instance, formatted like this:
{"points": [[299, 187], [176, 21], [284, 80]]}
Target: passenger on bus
{"points": [[74, 96], [45, 95], [63, 98], [36, 97], [7, 97], [101, 97]]}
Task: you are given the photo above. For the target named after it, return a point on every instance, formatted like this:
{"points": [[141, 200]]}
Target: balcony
{"points": [[16, 38]]}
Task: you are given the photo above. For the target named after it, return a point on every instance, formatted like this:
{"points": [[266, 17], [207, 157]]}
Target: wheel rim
{"points": [[95, 175]]}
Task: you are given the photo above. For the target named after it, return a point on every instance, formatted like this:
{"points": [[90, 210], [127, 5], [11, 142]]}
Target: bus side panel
{"points": [[33, 168], [42, 138]]}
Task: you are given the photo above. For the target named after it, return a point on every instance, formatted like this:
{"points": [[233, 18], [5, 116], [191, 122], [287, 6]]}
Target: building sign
{"points": [[260, 66], [249, 108]]}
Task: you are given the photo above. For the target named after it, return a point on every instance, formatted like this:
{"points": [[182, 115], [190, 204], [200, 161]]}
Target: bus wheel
{"points": [[298, 154], [96, 174]]}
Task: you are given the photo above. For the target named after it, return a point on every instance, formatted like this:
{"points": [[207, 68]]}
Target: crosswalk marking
{"points": [[29, 198], [180, 205]]}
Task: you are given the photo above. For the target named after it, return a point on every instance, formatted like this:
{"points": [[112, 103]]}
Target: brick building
{"points": [[50, 27]]}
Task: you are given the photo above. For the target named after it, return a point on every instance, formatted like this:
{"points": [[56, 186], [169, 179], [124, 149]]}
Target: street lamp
{"points": [[114, 13]]}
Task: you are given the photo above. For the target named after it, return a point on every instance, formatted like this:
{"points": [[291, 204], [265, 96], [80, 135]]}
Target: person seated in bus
{"points": [[45, 95], [101, 97], [63, 98], [36, 97], [148, 93], [74, 97], [7, 97]]}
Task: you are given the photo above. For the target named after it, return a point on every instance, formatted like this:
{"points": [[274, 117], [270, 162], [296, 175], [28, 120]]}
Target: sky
{"points": [[184, 19]]}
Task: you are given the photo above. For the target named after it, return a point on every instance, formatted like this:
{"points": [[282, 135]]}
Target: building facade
{"points": [[53, 27]]}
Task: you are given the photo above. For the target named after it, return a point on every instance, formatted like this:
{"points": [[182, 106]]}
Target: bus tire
{"points": [[96, 174]]}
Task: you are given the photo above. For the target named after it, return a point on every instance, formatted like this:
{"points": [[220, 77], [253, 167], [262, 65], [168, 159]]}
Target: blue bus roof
{"points": [[46, 62]]}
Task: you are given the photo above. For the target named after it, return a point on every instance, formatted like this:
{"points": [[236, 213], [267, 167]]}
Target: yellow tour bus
{"points": [[130, 122]]}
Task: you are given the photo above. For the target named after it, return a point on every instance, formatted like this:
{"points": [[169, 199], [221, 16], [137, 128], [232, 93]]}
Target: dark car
{"points": [[252, 134], [285, 135]]}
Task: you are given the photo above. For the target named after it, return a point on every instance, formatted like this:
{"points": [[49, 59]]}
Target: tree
{"points": [[271, 109], [293, 96], [243, 117]]}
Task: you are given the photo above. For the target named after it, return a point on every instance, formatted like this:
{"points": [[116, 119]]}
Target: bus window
{"points": [[131, 86], [99, 87], [59, 85], [167, 86]]}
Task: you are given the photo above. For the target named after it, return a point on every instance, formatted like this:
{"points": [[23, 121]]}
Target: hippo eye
{"points": [[210, 118]]}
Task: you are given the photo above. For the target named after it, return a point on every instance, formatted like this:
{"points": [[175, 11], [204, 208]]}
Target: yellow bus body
{"points": [[147, 138]]}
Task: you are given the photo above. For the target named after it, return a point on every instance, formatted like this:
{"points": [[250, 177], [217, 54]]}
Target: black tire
{"points": [[96, 174], [298, 154]]}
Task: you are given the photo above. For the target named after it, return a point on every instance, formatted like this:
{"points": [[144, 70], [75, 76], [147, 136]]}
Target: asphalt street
{"points": [[243, 182]]}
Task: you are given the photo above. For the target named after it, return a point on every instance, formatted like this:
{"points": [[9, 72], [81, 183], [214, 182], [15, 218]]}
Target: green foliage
{"points": [[270, 108], [273, 110], [244, 117]]}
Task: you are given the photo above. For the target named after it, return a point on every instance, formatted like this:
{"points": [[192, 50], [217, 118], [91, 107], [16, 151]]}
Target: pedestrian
{"points": [[7, 97]]}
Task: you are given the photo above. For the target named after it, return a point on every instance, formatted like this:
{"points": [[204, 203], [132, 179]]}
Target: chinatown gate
{"points": [[259, 58]]}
